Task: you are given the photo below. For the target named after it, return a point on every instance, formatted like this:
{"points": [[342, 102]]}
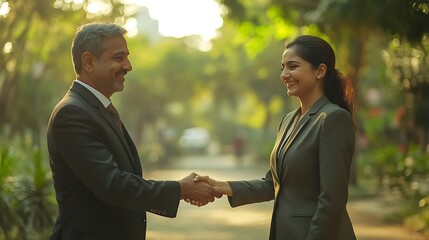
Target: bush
{"points": [[405, 173], [395, 170], [27, 205]]}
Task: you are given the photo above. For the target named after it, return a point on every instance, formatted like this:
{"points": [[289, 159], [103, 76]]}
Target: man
{"points": [[96, 170]]}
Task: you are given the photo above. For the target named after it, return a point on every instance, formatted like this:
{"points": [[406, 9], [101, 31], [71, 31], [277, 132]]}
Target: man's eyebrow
{"points": [[121, 53]]}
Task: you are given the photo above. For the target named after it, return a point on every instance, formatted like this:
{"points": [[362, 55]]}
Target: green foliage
{"points": [[6, 166], [401, 173], [27, 205], [35, 52], [396, 170], [405, 18], [10, 223], [34, 193], [419, 219], [408, 66], [260, 25], [28, 180]]}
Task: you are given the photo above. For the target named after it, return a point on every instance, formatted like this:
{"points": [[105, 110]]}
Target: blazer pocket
{"points": [[301, 216]]}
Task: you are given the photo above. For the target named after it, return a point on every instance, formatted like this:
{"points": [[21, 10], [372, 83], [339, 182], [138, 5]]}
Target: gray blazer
{"points": [[98, 181], [309, 176]]}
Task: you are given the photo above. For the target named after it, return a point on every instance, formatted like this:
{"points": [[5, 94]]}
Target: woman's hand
{"points": [[220, 186]]}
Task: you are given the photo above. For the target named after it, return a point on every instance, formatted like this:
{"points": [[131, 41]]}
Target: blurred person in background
{"points": [[238, 144], [97, 173], [310, 162]]}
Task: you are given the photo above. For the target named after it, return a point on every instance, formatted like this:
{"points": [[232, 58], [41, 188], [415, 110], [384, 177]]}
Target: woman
{"points": [[310, 162]]}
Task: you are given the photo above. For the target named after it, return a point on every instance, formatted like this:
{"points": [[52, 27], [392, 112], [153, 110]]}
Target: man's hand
{"points": [[200, 193]]}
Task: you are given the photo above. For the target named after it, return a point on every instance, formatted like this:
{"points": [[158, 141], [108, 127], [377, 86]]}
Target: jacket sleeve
{"points": [[253, 191], [80, 140], [336, 148]]}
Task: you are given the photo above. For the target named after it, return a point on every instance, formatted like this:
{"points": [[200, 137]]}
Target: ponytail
{"points": [[339, 89]]}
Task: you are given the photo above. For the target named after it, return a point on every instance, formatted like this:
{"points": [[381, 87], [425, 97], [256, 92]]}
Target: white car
{"points": [[195, 139]]}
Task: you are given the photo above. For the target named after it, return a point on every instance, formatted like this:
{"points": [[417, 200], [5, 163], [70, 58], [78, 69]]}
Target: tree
{"points": [[408, 66], [31, 50], [164, 75]]}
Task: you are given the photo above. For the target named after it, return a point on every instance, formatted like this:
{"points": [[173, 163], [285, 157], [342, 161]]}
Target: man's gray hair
{"points": [[89, 38]]}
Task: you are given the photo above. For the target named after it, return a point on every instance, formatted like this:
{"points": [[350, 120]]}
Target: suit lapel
{"points": [[133, 150], [294, 133], [286, 123], [93, 101], [121, 135], [297, 130], [273, 158]]}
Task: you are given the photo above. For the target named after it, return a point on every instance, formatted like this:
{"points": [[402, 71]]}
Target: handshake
{"points": [[200, 190]]}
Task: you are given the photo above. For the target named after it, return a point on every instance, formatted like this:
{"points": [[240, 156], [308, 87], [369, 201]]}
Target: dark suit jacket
{"points": [[309, 176], [97, 174]]}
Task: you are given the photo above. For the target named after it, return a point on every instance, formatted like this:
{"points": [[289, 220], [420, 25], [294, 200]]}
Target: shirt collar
{"points": [[103, 99]]}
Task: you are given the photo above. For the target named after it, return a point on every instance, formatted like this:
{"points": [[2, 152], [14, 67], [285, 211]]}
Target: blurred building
{"points": [[146, 25]]}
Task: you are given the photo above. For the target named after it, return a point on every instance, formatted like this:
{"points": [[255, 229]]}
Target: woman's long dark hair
{"points": [[338, 89]]}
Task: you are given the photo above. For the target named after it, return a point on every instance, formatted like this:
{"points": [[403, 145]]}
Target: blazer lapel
{"points": [[286, 123], [121, 135], [93, 100], [133, 150], [295, 132]]}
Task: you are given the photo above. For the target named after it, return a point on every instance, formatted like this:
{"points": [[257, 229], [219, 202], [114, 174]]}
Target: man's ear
{"points": [[88, 61]]}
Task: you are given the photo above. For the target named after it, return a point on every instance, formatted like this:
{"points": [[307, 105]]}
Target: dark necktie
{"points": [[115, 115]]}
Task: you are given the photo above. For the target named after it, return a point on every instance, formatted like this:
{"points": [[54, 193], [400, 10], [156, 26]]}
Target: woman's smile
{"points": [[290, 83]]}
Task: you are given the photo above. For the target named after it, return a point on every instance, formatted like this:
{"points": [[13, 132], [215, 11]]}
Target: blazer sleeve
{"points": [[79, 140], [336, 148], [253, 191]]}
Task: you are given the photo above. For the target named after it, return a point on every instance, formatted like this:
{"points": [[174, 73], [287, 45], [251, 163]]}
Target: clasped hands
{"points": [[200, 190]]}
